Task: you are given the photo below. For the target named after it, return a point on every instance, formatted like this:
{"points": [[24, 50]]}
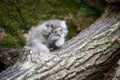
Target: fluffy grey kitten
{"points": [[50, 34]]}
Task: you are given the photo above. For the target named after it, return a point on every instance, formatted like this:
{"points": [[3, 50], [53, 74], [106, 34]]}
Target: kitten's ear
{"points": [[63, 24], [63, 21]]}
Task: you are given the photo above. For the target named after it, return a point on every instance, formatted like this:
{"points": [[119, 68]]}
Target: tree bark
{"points": [[113, 1], [9, 56], [93, 50], [117, 72]]}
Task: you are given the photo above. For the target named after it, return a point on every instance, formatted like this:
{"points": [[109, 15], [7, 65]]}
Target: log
{"points": [[9, 56], [117, 72], [83, 57], [113, 1]]}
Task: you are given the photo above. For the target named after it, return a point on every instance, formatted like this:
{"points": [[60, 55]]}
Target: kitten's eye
{"points": [[52, 26]]}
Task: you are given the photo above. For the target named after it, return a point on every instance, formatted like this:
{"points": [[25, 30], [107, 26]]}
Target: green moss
{"points": [[12, 42]]}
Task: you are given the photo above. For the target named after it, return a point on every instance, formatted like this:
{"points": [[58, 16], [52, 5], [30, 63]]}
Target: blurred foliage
{"points": [[17, 17], [6, 41], [98, 4]]}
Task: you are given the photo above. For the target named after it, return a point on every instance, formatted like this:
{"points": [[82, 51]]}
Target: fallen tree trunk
{"points": [[82, 58], [117, 72], [9, 56]]}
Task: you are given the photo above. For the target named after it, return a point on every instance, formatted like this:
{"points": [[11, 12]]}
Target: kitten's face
{"points": [[56, 29]]}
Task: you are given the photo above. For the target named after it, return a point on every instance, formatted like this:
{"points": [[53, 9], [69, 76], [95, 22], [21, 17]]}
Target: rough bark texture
{"points": [[117, 72], [113, 1], [9, 56], [83, 57]]}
